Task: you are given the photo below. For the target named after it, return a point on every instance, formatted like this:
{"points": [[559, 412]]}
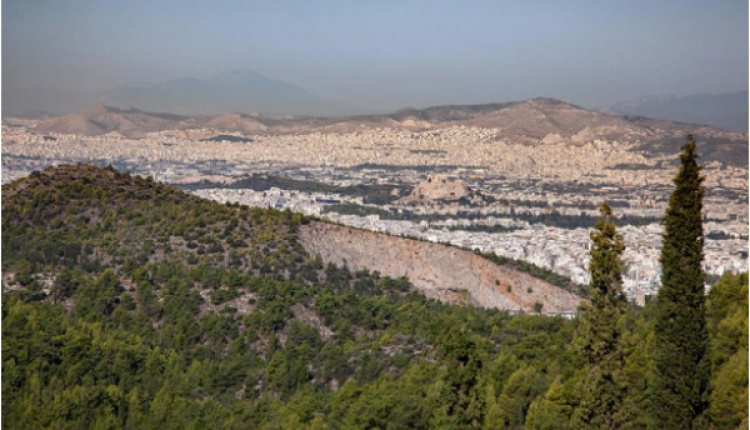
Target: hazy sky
{"points": [[387, 54]]}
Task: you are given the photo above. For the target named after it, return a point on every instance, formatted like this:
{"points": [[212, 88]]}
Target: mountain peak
{"points": [[241, 75], [549, 101], [98, 109]]}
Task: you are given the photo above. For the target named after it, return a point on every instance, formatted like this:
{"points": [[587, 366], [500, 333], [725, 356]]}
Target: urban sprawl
{"points": [[469, 187]]}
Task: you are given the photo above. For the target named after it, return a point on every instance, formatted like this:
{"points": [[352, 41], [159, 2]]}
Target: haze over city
{"points": [[382, 56]]}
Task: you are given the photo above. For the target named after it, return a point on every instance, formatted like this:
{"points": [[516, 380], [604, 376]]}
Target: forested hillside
{"points": [[127, 304]]}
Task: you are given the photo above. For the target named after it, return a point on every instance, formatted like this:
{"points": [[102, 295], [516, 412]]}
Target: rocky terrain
{"points": [[442, 272]]}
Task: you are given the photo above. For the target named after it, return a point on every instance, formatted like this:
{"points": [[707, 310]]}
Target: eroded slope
{"points": [[443, 272]]}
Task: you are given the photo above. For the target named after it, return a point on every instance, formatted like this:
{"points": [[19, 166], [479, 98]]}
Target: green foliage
{"points": [[552, 411], [538, 272], [728, 325], [460, 403], [90, 218], [180, 367], [140, 332], [681, 350], [24, 272], [514, 402], [552, 219], [598, 336], [538, 306], [380, 194]]}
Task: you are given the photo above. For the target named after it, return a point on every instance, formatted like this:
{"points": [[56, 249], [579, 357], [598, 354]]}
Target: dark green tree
{"points": [[728, 325], [461, 400], [597, 337], [681, 350], [63, 287]]}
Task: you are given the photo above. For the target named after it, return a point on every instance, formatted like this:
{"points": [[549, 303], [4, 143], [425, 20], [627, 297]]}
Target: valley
{"points": [[538, 171]]}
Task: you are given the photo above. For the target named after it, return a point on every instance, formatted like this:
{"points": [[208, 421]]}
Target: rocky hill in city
{"points": [[441, 188]]}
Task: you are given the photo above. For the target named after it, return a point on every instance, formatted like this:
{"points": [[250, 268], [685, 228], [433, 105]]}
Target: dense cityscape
{"points": [[535, 203]]}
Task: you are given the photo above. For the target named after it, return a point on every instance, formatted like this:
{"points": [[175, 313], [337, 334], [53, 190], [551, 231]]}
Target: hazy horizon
{"points": [[387, 55]]}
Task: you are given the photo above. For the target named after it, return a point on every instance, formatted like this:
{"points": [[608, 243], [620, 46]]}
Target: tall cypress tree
{"points": [[598, 335], [682, 368]]}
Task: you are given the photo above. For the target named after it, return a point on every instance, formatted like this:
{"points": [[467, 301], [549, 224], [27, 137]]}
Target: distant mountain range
{"points": [[248, 92], [725, 111], [237, 90], [538, 121]]}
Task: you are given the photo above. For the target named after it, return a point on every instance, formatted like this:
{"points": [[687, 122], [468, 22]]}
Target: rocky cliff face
{"points": [[442, 272]]}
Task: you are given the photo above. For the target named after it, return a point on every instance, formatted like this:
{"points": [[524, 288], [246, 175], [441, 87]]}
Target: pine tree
{"points": [[598, 335], [461, 403], [551, 411], [682, 367]]}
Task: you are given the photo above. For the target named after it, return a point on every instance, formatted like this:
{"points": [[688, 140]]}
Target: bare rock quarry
{"points": [[441, 272]]}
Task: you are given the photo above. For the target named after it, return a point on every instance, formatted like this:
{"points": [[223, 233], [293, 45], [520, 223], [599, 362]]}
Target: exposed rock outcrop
{"points": [[440, 188], [442, 272]]}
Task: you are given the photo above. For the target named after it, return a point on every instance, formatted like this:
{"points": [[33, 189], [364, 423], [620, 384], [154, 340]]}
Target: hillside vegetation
{"points": [[130, 305], [90, 217]]}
